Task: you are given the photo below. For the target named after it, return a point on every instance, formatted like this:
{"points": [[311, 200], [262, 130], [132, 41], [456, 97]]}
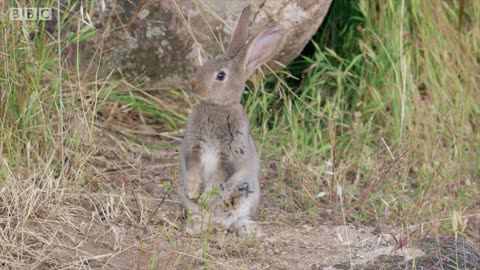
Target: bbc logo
{"points": [[30, 14]]}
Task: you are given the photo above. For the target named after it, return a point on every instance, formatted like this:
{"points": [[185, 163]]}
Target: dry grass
{"points": [[383, 129]]}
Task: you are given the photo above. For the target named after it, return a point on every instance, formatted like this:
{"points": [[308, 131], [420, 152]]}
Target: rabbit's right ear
{"points": [[240, 33], [260, 49]]}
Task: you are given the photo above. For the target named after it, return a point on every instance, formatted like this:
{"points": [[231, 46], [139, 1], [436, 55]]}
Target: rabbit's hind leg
{"points": [[245, 203], [245, 227]]}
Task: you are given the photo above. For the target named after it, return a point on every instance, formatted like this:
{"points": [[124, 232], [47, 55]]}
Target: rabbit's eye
{"points": [[221, 76]]}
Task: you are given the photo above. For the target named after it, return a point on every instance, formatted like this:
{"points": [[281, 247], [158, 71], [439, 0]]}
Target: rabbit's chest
{"points": [[209, 156], [219, 134], [215, 147]]}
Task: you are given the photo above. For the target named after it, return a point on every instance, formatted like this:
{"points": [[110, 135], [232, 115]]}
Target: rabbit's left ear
{"points": [[240, 33], [260, 49]]}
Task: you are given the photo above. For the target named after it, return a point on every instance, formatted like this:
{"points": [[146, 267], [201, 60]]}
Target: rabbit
{"points": [[217, 149]]}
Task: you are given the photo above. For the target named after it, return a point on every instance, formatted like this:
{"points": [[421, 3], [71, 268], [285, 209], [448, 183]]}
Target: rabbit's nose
{"points": [[193, 84], [197, 88]]}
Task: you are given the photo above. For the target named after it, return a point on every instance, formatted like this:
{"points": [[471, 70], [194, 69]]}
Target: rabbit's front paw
{"points": [[232, 192], [244, 189], [192, 185], [194, 225]]}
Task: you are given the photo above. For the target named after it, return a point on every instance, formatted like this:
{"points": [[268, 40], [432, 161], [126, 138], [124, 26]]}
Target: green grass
{"points": [[387, 111], [391, 96], [387, 108]]}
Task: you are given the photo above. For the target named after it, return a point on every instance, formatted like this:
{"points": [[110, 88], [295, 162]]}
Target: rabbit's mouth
{"points": [[197, 90], [196, 95]]}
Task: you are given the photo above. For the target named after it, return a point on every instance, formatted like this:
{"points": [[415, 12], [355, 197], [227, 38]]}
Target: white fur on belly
{"points": [[209, 161]]}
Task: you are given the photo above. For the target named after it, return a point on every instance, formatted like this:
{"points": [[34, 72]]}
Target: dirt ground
{"points": [[128, 221]]}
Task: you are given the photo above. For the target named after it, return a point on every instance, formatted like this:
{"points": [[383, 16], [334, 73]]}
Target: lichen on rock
{"points": [[163, 43]]}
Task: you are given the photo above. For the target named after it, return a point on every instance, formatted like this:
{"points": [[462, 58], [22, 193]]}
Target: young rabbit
{"points": [[217, 149]]}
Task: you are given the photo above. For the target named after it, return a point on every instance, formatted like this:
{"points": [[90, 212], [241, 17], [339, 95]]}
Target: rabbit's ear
{"points": [[240, 33], [261, 48]]}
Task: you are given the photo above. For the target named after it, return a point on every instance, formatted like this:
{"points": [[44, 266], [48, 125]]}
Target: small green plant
{"points": [[205, 200], [154, 263], [459, 224], [168, 189]]}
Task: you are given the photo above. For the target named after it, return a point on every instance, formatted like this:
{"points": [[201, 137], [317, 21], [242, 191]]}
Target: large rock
{"points": [[430, 253], [163, 41]]}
